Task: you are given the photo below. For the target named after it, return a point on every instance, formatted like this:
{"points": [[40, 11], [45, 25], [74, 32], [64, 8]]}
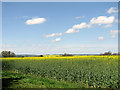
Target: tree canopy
{"points": [[7, 54]]}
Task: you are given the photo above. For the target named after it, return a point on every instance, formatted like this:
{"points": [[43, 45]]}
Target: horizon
{"points": [[64, 53], [54, 27]]}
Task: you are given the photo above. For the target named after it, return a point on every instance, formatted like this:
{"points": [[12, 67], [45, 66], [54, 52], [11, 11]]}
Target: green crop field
{"points": [[61, 72]]}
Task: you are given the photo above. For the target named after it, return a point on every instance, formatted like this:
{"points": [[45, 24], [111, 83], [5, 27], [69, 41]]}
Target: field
{"points": [[61, 72]]}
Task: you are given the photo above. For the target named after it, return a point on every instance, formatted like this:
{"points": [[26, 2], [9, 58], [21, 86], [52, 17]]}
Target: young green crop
{"points": [[96, 71]]}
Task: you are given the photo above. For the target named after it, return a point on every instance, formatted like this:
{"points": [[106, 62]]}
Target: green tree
{"points": [[40, 55], [8, 54], [108, 53], [67, 54], [12, 54]]}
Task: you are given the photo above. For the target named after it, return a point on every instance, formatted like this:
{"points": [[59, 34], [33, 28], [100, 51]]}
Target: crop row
{"points": [[93, 71]]}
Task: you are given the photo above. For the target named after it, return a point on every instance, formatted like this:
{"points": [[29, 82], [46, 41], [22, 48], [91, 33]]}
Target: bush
{"points": [[67, 54]]}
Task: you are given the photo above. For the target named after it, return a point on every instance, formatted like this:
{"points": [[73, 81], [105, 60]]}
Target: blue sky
{"points": [[53, 28]]}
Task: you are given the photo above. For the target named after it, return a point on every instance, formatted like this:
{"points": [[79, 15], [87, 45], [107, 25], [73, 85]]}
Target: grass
{"points": [[19, 80]]}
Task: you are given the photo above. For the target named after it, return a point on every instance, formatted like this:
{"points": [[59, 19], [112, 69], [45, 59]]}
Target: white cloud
{"points": [[114, 32], [71, 30], [100, 38], [79, 17], [35, 21], [81, 26], [112, 10], [78, 26], [102, 20], [56, 40], [99, 20], [53, 34]]}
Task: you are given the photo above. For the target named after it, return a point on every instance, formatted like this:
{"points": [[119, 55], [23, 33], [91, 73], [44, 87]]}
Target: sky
{"points": [[61, 27]]}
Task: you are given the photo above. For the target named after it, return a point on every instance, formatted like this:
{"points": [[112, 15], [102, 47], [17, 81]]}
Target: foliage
{"points": [[7, 54], [65, 54], [108, 53], [41, 56]]}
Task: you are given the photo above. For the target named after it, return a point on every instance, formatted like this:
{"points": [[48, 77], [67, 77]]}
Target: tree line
{"points": [[110, 53], [12, 54]]}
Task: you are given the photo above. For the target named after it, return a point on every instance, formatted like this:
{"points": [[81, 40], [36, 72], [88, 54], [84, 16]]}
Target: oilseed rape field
{"points": [[61, 72]]}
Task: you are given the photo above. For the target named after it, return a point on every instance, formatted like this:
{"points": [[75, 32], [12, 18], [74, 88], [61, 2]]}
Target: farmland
{"points": [[62, 72]]}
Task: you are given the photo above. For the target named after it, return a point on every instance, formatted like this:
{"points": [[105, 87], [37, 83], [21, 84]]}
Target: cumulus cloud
{"points": [[99, 20], [112, 10], [35, 21], [102, 20], [53, 34], [78, 26], [114, 32], [71, 30], [100, 38], [56, 40], [81, 26]]}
